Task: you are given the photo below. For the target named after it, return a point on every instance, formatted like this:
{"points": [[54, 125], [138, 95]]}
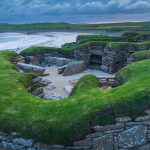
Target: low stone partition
{"points": [[126, 134]]}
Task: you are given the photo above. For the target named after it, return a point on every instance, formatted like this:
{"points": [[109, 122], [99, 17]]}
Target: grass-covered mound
{"points": [[141, 55], [69, 48], [128, 37], [36, 50], [62, 121]]}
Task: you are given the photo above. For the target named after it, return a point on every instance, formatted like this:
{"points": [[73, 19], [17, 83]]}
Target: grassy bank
{"points": [[62, 121], [141, 55]]}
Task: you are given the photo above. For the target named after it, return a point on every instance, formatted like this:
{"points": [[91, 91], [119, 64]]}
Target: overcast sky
{"points": [[74, 11]]}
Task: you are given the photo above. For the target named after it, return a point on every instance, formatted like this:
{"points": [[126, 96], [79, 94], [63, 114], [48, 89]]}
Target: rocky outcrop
{"points": [[126, 134], [31, 68], [74, 68]]}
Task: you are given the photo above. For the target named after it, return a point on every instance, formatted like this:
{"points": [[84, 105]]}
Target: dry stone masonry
{"points": [[126, 134]]}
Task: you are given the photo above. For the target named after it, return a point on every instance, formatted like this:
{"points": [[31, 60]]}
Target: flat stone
{"points": [[147, 112], [12, 146], [131, 124], [145, 147], [36, 79], [123, 119], [77, 147], [24, 142], [108, 127], [133, 137], [94, 135], [58, 146], [103, 143], [86, 142], [143, 118]]}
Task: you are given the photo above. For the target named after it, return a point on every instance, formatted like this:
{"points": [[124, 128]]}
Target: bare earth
{"points": [[60, 81]]}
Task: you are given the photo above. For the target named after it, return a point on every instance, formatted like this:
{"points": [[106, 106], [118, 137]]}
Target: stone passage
{"points": [[126, 134]]}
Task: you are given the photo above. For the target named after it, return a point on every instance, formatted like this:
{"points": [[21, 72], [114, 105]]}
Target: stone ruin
{"points": [[126, 134], [108, 59]]}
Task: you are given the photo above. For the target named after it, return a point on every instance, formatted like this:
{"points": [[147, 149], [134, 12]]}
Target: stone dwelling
{"points": [[109, 58]]}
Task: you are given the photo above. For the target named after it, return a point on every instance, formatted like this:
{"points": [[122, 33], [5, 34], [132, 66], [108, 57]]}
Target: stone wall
{"points": [[113, 58], [126, 134]]}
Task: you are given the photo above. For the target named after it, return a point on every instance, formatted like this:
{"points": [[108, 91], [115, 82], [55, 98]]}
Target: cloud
{"points": [[31, 9]]}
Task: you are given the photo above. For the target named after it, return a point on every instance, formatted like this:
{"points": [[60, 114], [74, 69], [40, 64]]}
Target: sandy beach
{"points": [[60, 81], [19, 41]]}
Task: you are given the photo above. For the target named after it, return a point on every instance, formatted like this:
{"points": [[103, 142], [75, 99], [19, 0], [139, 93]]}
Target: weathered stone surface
{"points": [[86, 142], [94, 135], [68, 89], [103, 143], [133, 137], [143, 118], [61, 69], [123, 119], [36, 79], [77, 148], [58, 146], [147, 112], [145, 147], [58, 61], [52, 96], [38, 91], [24, 142], [74, 68], [31, 68], [12, 146], [108, 127]]}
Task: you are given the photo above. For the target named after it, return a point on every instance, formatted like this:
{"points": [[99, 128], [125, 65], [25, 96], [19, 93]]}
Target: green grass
{"points": [[128, 37], [35, 50], [60, 122], [128, 26], [141, 55]]}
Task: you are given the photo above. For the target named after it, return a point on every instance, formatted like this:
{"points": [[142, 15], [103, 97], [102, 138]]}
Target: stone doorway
{"points": [[95, 61]]}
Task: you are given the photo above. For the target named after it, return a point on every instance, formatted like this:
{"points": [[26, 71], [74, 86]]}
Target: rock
{"points": [[74, 68], [147, 112], [86, 142], [58, 146], [12, 146], [103, 143], [123, 119], [108, 127], [52, 96], [24, 142], [145, 147], [133, 137], [36, 80], [94, 135], [31, 68], [38, 91], [143, 118], [20, 59], [58, 61], [50, 87], [46, 81], [68, 89], [14, 134], [61, 69]]}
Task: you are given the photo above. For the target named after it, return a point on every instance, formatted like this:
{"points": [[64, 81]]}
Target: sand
{"points": [[19, 41], [60, 81]]}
